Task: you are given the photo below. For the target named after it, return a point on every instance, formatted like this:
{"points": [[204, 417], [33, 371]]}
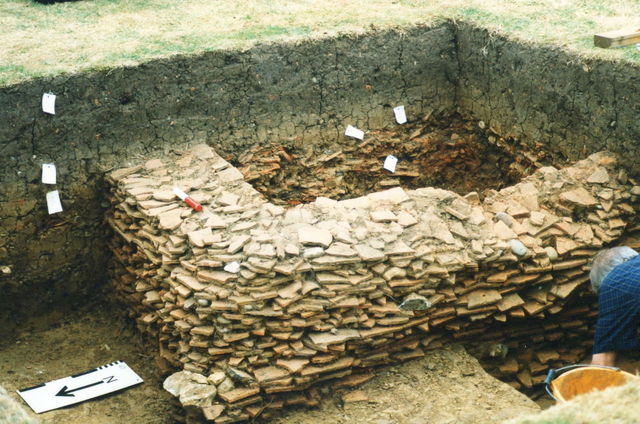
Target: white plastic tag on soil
{"points": [[48, 173], [390, 163], [354, 132], [232, 267], [80, 387], [53, 202], [49, 103], [401, 116]]}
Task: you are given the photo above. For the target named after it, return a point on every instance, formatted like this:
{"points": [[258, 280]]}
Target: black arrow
{"points": [[65, 392]]}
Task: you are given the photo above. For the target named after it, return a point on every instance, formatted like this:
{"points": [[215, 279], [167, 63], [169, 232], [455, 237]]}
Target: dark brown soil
{"points": [[451, 153]]}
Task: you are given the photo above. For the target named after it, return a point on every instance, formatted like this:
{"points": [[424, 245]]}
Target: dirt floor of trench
{"points": [[85, 339], [446, 386]]}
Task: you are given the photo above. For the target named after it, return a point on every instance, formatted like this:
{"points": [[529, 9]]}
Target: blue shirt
{"points": [[619, 309]]}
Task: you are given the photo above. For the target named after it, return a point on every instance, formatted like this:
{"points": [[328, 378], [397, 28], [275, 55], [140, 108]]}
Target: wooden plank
{"points": [[618, 38]]}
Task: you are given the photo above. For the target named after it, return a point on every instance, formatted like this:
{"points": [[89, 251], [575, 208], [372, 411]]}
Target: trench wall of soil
{"points": [[568, 105], [303, 94]]}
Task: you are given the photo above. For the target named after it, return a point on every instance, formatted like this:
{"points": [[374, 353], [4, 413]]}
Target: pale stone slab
{"points": [[170, 220], [216, 222], [395, 195], [200, 238], [314, 237], [266, 374], [503, 232], [480, 298], [599, 176], [291, 249], [228, 199], [368, 253], [339, 336], [230, 175], [293, 365], [216, 276], [383, 216], [341, 249], [406, 219], [579, 196], [203, 151]]}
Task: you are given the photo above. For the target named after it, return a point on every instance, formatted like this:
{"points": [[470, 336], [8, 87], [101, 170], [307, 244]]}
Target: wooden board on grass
{"points": [[618, 38]]}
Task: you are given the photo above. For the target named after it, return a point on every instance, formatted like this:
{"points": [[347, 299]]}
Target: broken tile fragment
{"points": [[383, 216], [579, 196], [314, 236]]}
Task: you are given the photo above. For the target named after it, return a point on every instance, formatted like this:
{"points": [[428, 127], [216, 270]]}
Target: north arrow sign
{"points": [[65, 392], [80, 387]]}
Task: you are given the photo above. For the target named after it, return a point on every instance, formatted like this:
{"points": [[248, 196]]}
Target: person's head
{"points": [[605, 261]]}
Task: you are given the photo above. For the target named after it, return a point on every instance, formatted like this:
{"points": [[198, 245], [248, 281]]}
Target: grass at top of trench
{"points": [[45, 40]]}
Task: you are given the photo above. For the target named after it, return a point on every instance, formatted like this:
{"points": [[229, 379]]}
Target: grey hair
{"points": [[605, 261]]}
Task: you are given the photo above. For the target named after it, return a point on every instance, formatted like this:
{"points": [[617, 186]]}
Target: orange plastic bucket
{"points": [[580, 379]]}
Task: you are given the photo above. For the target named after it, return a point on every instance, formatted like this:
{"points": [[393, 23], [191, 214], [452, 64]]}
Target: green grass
{"points": [[269, 32], [38, 40]]}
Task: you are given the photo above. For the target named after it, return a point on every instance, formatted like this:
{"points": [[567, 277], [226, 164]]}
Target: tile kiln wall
{"points": [[257, 303]]}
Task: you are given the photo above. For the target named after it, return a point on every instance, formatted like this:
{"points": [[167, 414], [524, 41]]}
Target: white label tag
{"points": [[49, 103], [354, 132], [232, 267], [48, 173], [390, 163], [80, 387], [401, 116], [53, 202]]}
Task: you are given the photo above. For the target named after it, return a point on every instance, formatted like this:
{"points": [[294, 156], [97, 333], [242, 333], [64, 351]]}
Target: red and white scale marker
{"points": [[80, 387], [187, 199]]}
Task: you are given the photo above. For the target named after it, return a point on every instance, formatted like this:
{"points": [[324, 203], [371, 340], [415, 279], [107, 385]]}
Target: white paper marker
{"points": [[390, 163], [354, 132], [48, 173], [49, 103], [401, 116], [232, 267], [53, 202], [80, 387]]}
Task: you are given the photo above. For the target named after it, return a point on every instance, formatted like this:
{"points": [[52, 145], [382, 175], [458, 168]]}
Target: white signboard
{"points": [[80, 387], [53, 202], [48, 173], [390, 163], [354, 132], [49, 103], [401, 116]]}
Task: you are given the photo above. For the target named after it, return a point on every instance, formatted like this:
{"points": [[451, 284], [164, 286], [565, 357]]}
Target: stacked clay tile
{"points": [[256, 303]]}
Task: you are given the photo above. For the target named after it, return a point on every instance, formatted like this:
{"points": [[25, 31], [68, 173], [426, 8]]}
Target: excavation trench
{"points": [[312, 263]]}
